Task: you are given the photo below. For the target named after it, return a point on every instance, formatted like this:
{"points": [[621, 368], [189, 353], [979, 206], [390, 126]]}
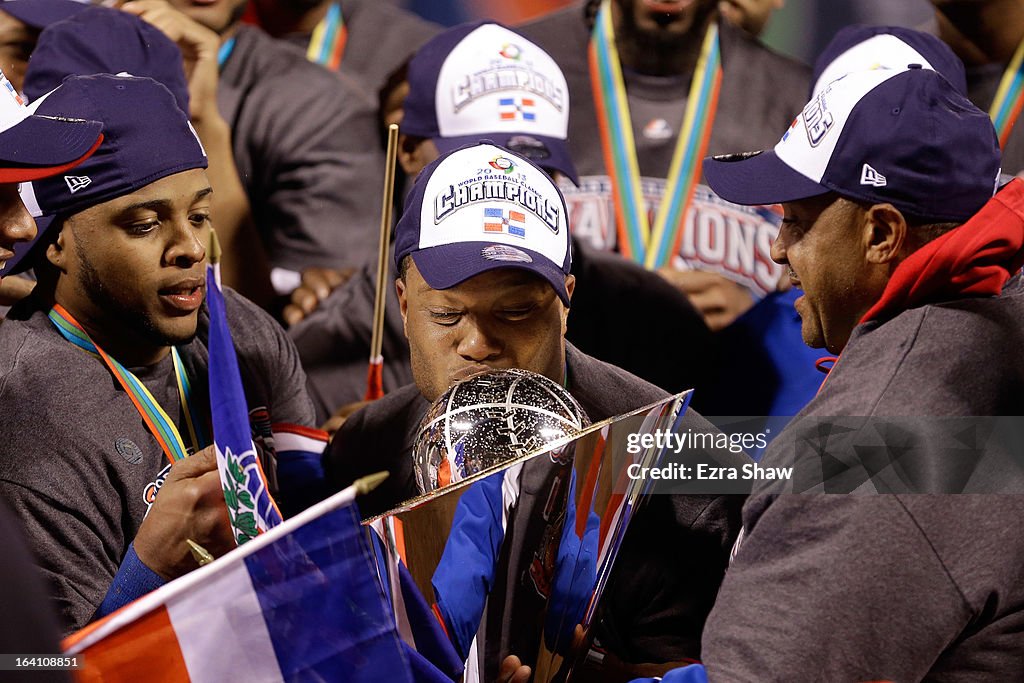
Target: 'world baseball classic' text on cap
{"points": [[903, 137], [486, 81], [483, 207]]}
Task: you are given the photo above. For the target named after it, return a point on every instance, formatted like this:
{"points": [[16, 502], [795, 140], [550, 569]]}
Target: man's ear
{"points": [[58, 250], [884, 234], [403, 303], [415, 153], [570, 285]]}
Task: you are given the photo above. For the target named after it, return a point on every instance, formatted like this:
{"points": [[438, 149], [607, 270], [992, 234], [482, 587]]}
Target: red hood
{"points": [[975, 259]]}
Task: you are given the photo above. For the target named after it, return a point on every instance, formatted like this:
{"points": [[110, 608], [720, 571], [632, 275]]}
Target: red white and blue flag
{"points": [[301, 602], [517, 109], [506, 222]]}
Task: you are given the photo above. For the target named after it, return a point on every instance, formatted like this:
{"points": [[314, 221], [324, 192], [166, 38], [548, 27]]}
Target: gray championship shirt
{"points": [[77, 463], [308, 151], [760, 94]]}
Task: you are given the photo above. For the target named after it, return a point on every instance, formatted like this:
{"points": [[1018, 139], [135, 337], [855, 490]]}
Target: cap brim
{"points": [[556, 156], [758, 178], [39, 147], [447, 265]]}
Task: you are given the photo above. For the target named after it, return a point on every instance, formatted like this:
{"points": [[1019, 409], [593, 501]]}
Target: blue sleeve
{"points": [[132, 581]]}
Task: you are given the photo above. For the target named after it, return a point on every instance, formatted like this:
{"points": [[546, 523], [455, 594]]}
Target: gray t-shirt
{"points": [[760, 94], [381, 37], [308, 151], [77, 463]]}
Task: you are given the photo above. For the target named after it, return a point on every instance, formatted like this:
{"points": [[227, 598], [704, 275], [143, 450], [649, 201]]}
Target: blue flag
{"points": [[250, 506]]}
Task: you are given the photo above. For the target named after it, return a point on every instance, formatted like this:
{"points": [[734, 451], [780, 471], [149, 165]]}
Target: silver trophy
{"points": [[524, 511], [490, 419]]}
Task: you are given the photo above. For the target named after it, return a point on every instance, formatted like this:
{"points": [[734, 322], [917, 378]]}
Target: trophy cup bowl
{"points": [[490, 419]]}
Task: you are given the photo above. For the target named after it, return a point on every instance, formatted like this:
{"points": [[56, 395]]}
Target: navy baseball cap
{"points": [[34, 145], [146, 138], [483, 80], [860, 48], [905, 137], [100, 40], [41, 13], [483, 207]]}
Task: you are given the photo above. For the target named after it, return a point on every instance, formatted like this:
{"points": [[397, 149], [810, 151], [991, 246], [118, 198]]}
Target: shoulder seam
{"points": [[935, 553], [899, 365]]}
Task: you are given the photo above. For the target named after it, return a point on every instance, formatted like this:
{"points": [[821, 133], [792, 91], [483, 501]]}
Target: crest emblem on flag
{"points": [[516, 109], [500, 221]]}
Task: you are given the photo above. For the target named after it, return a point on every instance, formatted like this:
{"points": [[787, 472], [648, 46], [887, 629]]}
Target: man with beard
{"points": [[645, 57], [55, 147], [104, 395]]}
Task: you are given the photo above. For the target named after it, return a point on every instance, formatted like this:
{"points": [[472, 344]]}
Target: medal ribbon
{"points": [[636, 239], [1009, 99], [226, 48], [159, 424], [327, 43]]}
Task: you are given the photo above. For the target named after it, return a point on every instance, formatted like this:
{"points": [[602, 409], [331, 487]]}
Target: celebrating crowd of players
{"points": [[627, 267]]}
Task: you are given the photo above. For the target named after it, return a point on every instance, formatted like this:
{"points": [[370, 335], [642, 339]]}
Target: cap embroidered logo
{"points": [[77, 182], [511, 51], [869, 176], [817, 120], [503, 164], [501, 252]]}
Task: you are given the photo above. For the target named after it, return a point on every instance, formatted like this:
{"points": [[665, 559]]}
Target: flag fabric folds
{"points": [[250, 506], [301, 602]]}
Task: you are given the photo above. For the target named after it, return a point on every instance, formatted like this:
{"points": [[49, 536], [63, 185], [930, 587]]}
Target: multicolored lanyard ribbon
{"points": [[159, 424], [327, 44], [1009, 99], [652, 248], [226, 48]]}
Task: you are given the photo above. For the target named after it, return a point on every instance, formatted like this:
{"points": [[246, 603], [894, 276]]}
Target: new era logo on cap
{"points": [[77, 182], [869, 176]]}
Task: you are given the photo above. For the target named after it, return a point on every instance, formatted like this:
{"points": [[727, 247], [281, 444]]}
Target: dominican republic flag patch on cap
{"points": [[507, 222], [516, 109]]}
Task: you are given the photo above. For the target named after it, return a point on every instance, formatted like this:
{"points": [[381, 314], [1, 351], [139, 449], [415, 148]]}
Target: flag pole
{"points": [[374, 375]]}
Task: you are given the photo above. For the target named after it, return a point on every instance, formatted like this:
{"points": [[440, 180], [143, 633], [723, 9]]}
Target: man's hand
{"points": [[317, 285], [513, 671], [199, 47], [335, 421], [719, 299], [189, 505], [13, 289]]}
